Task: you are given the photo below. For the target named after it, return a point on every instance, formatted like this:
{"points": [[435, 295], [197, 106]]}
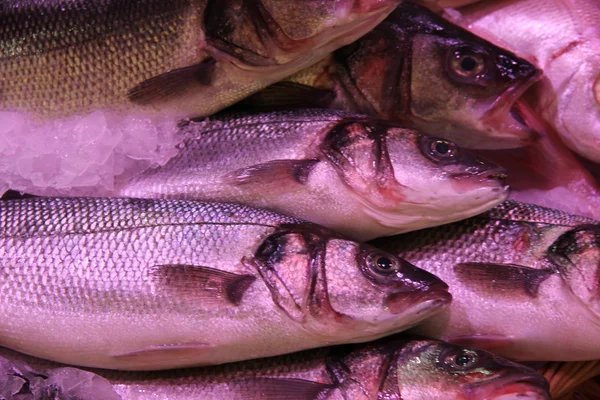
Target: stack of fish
{"points": [[201, 256]]}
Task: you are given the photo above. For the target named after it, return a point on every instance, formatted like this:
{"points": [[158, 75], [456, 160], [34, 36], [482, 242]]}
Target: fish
{"points": [[423, 71], [357, 175], [523, 279], [407, 368], [563, 38], [186, 58], [143, 284]]}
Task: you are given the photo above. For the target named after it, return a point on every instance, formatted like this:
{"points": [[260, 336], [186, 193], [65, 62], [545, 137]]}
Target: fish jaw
{"points": [[533, 387], [503, 122]]}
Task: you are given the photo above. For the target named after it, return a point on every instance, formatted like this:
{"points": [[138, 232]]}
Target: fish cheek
{"points": [[350, 292], [435, 96]]}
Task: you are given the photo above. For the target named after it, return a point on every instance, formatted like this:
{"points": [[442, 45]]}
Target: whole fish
{"points": [[391, 368], [147, 284], [563, 37], [182, 57], [524, 281], [425, 72], [357, 175]]}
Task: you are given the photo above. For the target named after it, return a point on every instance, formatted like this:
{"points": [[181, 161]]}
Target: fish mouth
{"points": [[532, 387], [433, 298], [504, 117], [517, 385]]}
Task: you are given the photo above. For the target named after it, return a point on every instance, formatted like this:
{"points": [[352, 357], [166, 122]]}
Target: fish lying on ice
{"points": [[93, 89], [425, 72], [185, 57], [148, 284], [391, 368], [563, 37], [357, 175], [524, 280]]}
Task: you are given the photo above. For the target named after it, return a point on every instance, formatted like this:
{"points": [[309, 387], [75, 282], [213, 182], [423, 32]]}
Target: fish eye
{"points": [[439, 150], [460, 360], [466, 64], [381, 263]]}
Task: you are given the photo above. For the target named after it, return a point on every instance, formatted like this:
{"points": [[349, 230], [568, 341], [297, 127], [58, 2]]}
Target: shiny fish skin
{"points": [[409, 69], [357, 175], [563, 38], [183, 57], [147, 284], [392, 368], [523, 277]]}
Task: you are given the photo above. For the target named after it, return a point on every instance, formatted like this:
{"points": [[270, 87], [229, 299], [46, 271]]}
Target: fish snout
{"points": [[417, 286]]}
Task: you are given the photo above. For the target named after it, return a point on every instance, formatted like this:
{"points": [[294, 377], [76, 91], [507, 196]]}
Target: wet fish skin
{"points": [[523, 279], [184, 58], [354, 174], [563, 37], [397, 367], [147, 284], [409, 69]]}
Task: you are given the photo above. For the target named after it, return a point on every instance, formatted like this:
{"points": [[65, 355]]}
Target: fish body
{"points": [[184, 57], [425, 72], [147, 284], [357, 175], [563, 38], [523, 277], [392, 368]]}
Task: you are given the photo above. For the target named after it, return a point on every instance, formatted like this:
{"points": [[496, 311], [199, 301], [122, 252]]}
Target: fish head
{"points": [[422, 70], [337, 288], [383, 292], [426, 369], [275, 32], [576, 254], [405, 180]]}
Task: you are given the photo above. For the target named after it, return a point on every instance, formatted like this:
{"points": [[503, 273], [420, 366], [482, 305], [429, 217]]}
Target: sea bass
{"points": [[563, 36], [524, 280], [182, 57], [357, 175], [391, 368], [147, 284], [425, 72]]}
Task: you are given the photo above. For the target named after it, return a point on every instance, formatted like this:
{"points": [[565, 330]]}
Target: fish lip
{"points": [[529, 386], [496, 175], [500, 116], [437, 294]]}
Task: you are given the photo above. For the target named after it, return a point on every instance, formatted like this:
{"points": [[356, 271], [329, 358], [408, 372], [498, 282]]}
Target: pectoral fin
{"points": [[505, 278], [289, 95], [280, 389], [277, 172], [173, 84], [203, 284]]}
